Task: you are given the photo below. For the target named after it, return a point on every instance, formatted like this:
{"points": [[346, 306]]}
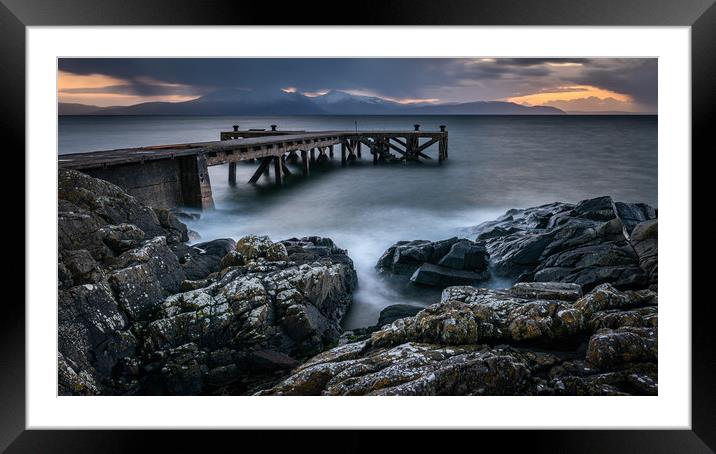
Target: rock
{"points": [[92, 337], [547, 290], [438, 263], [440, 276], [253, 247], [606, 297], [465, 255], [149, 274], [395, 312], [615, 347], [122, 237], [201, 259], [268, 312], [177, 230], [232, 258], [442, 349], [586, 244], [277, 253], [645, 240], [632, 214], [81, 267]]}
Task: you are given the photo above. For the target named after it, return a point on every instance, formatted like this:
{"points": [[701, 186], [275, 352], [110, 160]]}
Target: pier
{"points": [[167, 176]]}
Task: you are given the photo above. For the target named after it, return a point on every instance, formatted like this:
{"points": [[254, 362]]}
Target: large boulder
{"points": [[437, 263], [263, 315], [589, 243]]}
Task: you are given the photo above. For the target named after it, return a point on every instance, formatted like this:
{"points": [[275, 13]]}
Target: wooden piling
{"points": [[304, 162], [343, 154], [278, 170], [232, 173]]}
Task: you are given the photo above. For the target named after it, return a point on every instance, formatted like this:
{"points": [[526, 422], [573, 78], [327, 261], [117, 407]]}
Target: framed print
{"points": [[414, 216]]}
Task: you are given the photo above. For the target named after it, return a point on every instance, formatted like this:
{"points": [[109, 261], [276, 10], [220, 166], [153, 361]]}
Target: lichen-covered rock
{"points": [[253, 246], [142, 313], [547, 290], [609, 348], [442, 349]]}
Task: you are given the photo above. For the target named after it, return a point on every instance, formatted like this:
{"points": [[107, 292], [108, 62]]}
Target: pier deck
{"points": [[177, 175]]}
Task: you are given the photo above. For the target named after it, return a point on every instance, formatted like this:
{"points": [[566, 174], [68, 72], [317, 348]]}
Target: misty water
{"points": [[495, 163]]}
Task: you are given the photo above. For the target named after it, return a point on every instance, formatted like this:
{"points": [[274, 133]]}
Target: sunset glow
{"points": [[570, 84], [569, 93]]}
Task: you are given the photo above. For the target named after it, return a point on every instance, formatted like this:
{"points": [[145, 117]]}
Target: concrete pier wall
{"points": [[166, 183]]}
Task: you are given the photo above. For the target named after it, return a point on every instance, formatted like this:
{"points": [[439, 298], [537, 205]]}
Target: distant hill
{"points": [[488, 108], [65, 108], [242, 102]]}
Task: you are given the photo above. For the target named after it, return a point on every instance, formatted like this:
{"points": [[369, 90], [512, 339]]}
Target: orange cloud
{"points": [[569, 93], [101, 94]]}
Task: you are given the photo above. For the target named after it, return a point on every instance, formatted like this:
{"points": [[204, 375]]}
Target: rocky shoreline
{"points": [[141, 312]]}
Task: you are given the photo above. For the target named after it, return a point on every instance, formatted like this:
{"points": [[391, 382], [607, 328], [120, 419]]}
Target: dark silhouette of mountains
{"points": [[242, 102]]}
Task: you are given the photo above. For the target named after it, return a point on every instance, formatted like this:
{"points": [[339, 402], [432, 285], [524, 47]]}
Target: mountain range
{"points": [[334, 102]]}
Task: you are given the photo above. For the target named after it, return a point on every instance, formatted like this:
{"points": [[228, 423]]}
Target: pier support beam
{"points": [[322, 156], [358, 149], [278, 170], [305, 162], [330, 151], [263, 169], [232, 174], [343, 154]]}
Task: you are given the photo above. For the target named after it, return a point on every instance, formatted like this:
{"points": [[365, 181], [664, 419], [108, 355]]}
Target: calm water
{"points": [[496, 163]]}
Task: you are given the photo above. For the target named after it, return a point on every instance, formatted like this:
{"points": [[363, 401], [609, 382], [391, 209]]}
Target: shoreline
{"points": [[247, 316]]}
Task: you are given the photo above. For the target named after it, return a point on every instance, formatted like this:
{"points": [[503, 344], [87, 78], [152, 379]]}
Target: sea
{"points": [[495, 163]]}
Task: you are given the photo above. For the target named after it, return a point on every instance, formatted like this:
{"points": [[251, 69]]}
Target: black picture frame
{"points": [[16, 15]]}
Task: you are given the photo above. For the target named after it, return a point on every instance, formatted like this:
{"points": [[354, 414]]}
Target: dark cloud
{"points": [[447, 79], [635, 77]]}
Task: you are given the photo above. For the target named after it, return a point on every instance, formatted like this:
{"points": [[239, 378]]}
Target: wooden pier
{"points": [[168, 176]]}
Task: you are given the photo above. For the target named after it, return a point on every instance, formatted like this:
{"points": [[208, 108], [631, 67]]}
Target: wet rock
{"points": [[632, 214], [395, 312], [201, 259], [437, 263], [440, 276], [645, 240], [587, 243], [465, 255]]}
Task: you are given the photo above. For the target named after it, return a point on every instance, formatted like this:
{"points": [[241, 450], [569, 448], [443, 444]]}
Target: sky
{"points": [[571, 84]]}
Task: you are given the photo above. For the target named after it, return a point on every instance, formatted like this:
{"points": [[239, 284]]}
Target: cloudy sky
{"points": [[571, 84]]}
